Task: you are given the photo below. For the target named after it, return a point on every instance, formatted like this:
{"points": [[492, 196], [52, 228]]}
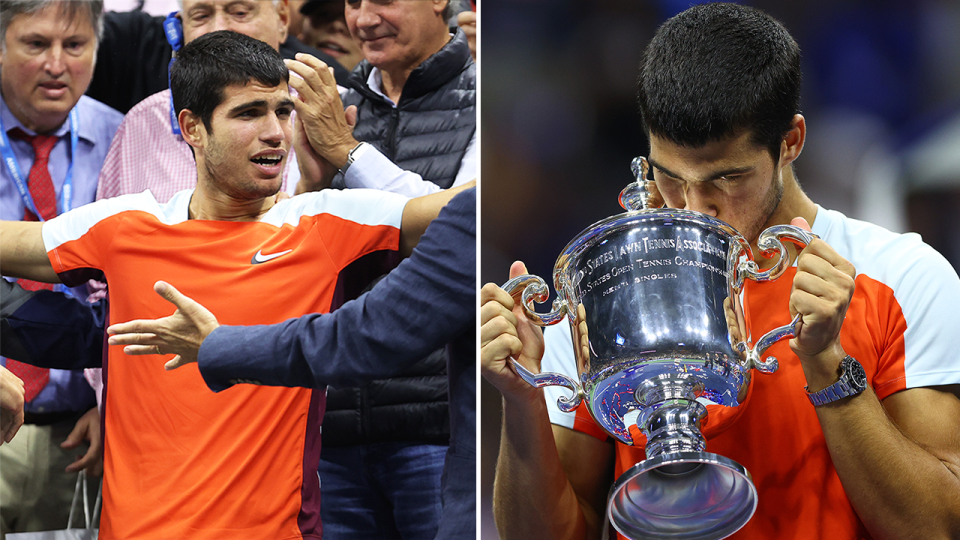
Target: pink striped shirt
{"points": [[146, 154]]}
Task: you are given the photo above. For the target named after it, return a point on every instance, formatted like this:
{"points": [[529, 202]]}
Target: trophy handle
{"points": [[764, 343], [539, 380], [772, 241], [532, 288]]}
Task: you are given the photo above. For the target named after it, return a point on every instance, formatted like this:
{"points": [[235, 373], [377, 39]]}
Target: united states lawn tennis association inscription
{"points": [[648, 259]]}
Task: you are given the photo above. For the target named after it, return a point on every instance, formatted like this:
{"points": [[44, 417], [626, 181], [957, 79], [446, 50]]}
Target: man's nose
{"points": [[697, 200], [222, 21], [273, 131], [368, 15], [55, 65]]}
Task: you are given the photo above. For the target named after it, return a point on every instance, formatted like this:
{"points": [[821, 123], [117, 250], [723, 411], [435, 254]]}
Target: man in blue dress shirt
{"points": [[53, 143]]}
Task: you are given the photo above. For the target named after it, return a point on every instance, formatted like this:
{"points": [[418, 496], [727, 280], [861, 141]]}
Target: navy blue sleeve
{"points": [[428, 300], [50, 329]]}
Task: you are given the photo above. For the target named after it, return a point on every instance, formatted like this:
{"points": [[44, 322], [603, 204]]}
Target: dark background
{"points": [[881, 96]]}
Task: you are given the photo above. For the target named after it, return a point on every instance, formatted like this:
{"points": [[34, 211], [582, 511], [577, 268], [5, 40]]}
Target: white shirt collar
{"points": [[375, 83]]}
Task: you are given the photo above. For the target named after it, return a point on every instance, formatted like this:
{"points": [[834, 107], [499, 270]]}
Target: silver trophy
{"points": [[655, 305]]}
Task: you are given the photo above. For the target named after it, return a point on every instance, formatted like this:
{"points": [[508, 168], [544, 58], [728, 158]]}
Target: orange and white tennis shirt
{"points": [[182, 461], [901, 325]]}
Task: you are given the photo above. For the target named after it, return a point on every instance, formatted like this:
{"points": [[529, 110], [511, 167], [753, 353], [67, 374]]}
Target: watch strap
{"points": [[848, 384], [353, 155]]}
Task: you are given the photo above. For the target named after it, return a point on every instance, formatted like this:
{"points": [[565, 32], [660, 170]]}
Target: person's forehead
{"points": [[254, 91], [706, 161], [412, 8], [54, 17], [189, 5]]}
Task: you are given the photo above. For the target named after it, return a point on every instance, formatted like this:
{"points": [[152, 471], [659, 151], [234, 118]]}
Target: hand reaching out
{"points": [[180, 334], [316, 173]]}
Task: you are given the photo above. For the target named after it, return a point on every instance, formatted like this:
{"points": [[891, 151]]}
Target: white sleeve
{"points": [[928, 293], [558, 358], [372, 169], [468, 166], [291, 175]]}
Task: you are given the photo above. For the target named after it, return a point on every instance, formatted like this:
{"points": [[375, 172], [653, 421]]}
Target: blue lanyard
{"points": [[66, 192], [174, 123]]}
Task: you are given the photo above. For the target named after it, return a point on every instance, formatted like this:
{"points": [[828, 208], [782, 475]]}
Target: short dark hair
{"points": [[207, 65], [719, 70]]}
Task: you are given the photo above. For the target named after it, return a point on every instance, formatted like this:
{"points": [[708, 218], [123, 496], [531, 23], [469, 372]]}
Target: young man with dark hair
{"points": [[237, 464], [148, 151], [719, 94]]}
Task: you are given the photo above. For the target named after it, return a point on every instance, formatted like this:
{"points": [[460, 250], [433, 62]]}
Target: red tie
{"points": [[39, 181], [45, 199]]}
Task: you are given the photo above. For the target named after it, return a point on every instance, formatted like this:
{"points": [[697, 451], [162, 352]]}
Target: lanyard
{"points": [[66, 192], [174, 123]]}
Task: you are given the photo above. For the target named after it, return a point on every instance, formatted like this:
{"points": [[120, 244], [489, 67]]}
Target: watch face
{"points": [[857, 377]]}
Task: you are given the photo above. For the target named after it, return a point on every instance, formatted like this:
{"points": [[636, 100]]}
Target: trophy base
{"points": [[686, 495]]}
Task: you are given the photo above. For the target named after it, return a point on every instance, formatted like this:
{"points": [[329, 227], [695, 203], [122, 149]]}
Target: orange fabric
{"points": [[775, 434], [181, 461]]}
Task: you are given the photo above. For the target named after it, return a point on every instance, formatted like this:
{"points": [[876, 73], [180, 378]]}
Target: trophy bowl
{"points": [[655, 305]]}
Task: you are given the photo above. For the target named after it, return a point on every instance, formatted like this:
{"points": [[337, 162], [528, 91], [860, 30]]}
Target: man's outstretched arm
{"points": [[419, 212], [22, 254]]}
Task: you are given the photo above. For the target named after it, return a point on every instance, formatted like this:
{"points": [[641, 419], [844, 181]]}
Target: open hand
{"points": [[316, 172], [180, 334]]}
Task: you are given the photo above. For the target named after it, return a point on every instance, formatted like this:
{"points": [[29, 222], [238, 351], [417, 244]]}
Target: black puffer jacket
{"points": [[428, 132]]}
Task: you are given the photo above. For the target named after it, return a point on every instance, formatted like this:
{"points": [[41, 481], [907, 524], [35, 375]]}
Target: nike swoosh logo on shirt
{"points": [[259, 257]]}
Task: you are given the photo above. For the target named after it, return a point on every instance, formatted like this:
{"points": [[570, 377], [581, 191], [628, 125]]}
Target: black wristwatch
{"points": [[853, 380]]}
